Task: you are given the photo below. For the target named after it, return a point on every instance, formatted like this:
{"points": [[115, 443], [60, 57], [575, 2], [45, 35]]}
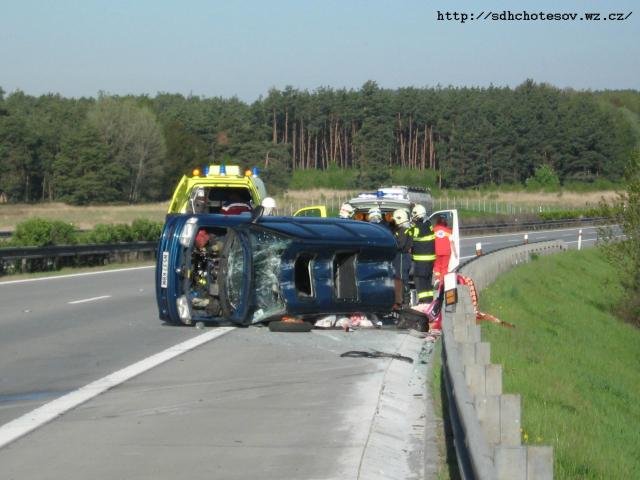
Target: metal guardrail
{"points": [[11, 253], [484, 420], [567, 222]]}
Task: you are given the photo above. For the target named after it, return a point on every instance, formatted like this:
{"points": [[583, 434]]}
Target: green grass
{"points": [[447, 462], [574, 363]]}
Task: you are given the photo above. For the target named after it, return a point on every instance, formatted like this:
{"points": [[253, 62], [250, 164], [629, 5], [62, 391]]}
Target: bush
{"points": [[334, 178], [101, 233], [140, 230], [568, 214], [145, 230], [108, 233], [625, 254], [40, 233], [545, 178]]}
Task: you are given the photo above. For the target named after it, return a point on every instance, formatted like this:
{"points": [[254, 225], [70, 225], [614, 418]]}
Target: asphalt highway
{"points": [[176, 402]]}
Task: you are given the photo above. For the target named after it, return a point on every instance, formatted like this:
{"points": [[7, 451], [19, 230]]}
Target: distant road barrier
{"points": [[539, 225], [484, 420], [55, 256]]}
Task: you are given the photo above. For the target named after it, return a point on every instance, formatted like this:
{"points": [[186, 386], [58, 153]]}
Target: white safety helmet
{"points": [[375, 215], [418, 212], [346, 211], [269, 205], [400, 216]]}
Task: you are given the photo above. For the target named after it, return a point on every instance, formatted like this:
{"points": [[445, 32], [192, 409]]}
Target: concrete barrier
{"points": [[486, 421]]}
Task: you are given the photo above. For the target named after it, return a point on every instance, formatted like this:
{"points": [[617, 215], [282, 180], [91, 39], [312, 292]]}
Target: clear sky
{"points": [[244, 48]]}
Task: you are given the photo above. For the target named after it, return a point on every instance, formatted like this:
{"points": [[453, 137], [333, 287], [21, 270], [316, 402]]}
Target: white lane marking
{"points": [[92, 299], [36, 418], [84, 274]]}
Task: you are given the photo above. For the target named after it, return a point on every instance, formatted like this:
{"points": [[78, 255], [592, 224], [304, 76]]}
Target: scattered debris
{"points": [[480, 316], [417, 334], [376, 354], [414, 319], [348, 324], [290, 324]]}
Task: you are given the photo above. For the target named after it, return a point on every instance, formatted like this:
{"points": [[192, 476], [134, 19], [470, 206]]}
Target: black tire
{"points": [[279, 326], [410, 319]]}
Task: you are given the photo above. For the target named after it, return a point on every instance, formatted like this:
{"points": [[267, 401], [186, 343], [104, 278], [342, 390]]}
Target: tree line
{"points": [[134, 148]]}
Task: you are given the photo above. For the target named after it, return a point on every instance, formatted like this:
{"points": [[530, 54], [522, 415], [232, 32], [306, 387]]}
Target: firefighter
{"points": [[374, 215], [423, 253], [444, 248], [346, 210], [269, 206], [402, 261]]}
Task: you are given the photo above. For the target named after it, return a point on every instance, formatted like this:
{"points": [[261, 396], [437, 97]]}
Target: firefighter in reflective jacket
{"points": [[423, 253], [444, 249], [402, 262]]}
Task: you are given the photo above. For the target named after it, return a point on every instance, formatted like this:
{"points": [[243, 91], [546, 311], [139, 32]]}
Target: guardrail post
{"points": [[483, 353], [475, 353], [580, 239], [511, 463], [488, 410], [524, 462], [510, 414]]}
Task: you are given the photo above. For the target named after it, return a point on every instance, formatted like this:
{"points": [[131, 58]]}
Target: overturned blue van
{"points": [[249, 269]]}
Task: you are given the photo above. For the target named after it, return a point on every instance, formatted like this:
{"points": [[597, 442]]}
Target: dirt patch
{"points": [[81, 217], [88, 217]]}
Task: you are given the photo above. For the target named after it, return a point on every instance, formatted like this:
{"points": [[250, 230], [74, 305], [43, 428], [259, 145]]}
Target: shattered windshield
{"points": [[235, 269], [267, 248]]}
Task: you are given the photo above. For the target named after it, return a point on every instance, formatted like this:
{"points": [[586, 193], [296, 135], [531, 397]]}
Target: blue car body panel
{"points": [[294, 266]]}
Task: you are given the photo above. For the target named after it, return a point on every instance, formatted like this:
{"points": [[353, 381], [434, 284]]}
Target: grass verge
{"points": [[573, 362], [448, 465]]}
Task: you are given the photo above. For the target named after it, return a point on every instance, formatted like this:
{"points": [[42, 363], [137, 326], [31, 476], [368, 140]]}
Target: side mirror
{"points": [[256, 213]]}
